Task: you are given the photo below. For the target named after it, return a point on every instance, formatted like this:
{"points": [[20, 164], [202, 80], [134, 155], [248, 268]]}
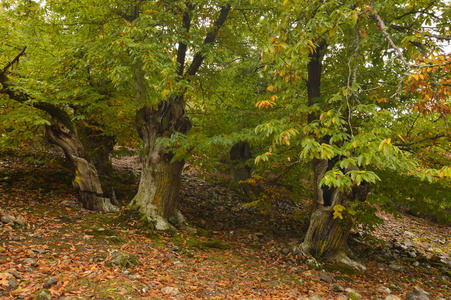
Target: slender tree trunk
{"points": [[86, 181], [239, 154], [160, 178]]}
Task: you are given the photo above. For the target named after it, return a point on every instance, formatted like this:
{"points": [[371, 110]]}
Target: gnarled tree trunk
{"points": [[327, 235], [61, 132], [86, 180], [160, 178]]}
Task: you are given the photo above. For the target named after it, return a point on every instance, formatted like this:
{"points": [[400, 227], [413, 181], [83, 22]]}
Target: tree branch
{"points": [[15, 60], [181, 51], [210, 38]]}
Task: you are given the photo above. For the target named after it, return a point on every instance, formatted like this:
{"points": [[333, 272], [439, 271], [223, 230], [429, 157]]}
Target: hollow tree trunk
{"points": [[86, 181], [327, 235], [160, 180]]}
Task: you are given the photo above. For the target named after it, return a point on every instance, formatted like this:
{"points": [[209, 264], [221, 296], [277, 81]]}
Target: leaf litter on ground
{"points": [[61, 240]]}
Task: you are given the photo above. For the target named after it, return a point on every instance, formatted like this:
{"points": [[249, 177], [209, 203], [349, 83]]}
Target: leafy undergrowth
{"points": [[236, 252]]}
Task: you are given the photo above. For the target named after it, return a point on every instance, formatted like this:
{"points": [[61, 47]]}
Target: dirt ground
{"points": [[233, 252]]}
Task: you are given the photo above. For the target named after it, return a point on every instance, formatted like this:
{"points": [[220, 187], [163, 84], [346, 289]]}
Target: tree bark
{"points": [[98, 148], [160, 178], [61, 132], [326, 236], [86, 181], [239, 154]]}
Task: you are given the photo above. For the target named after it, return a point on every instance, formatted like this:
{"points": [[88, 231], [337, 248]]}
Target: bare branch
{"points": [[210, 38]]}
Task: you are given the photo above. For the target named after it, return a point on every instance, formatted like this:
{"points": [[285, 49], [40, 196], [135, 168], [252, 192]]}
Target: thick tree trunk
{"points": [[327, 235], [86, 181], [160, 178]]}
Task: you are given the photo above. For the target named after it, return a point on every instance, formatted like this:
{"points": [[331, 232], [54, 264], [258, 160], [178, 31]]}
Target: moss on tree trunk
{"points": [[160, 180]]}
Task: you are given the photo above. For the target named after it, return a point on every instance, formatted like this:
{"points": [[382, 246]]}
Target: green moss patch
{"points": [[215, 244]]}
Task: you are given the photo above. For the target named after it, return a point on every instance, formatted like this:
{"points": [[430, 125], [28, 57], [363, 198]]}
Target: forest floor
{"points": [[234, 252]]}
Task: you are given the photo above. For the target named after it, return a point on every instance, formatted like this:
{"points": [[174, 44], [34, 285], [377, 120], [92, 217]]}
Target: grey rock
{"points": [[392, 297], [43, 295], [20, 221], [31, 261], [417, 294], [396, 267], [335, 287], [8, 219], [326, 277], [285, 251], [13, 283], [384, 290], [14, 273], [352, 294], [123, 260], [50, 282], [316, 297]]}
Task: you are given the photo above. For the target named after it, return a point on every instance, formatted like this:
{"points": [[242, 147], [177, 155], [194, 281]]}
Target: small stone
{"points": [[316, 297], [392, 297], [14, 273], [40, 251], [384, 290], [335, 287], [417, 294], [326, 277], [16, 238], [352, 294], [43, 295], [50, 282], [20, 221], [169, 290], [175, 249], [13, 283], [135, 277], [8, 219], [396, 267], [285, 251], [31, 261]]}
